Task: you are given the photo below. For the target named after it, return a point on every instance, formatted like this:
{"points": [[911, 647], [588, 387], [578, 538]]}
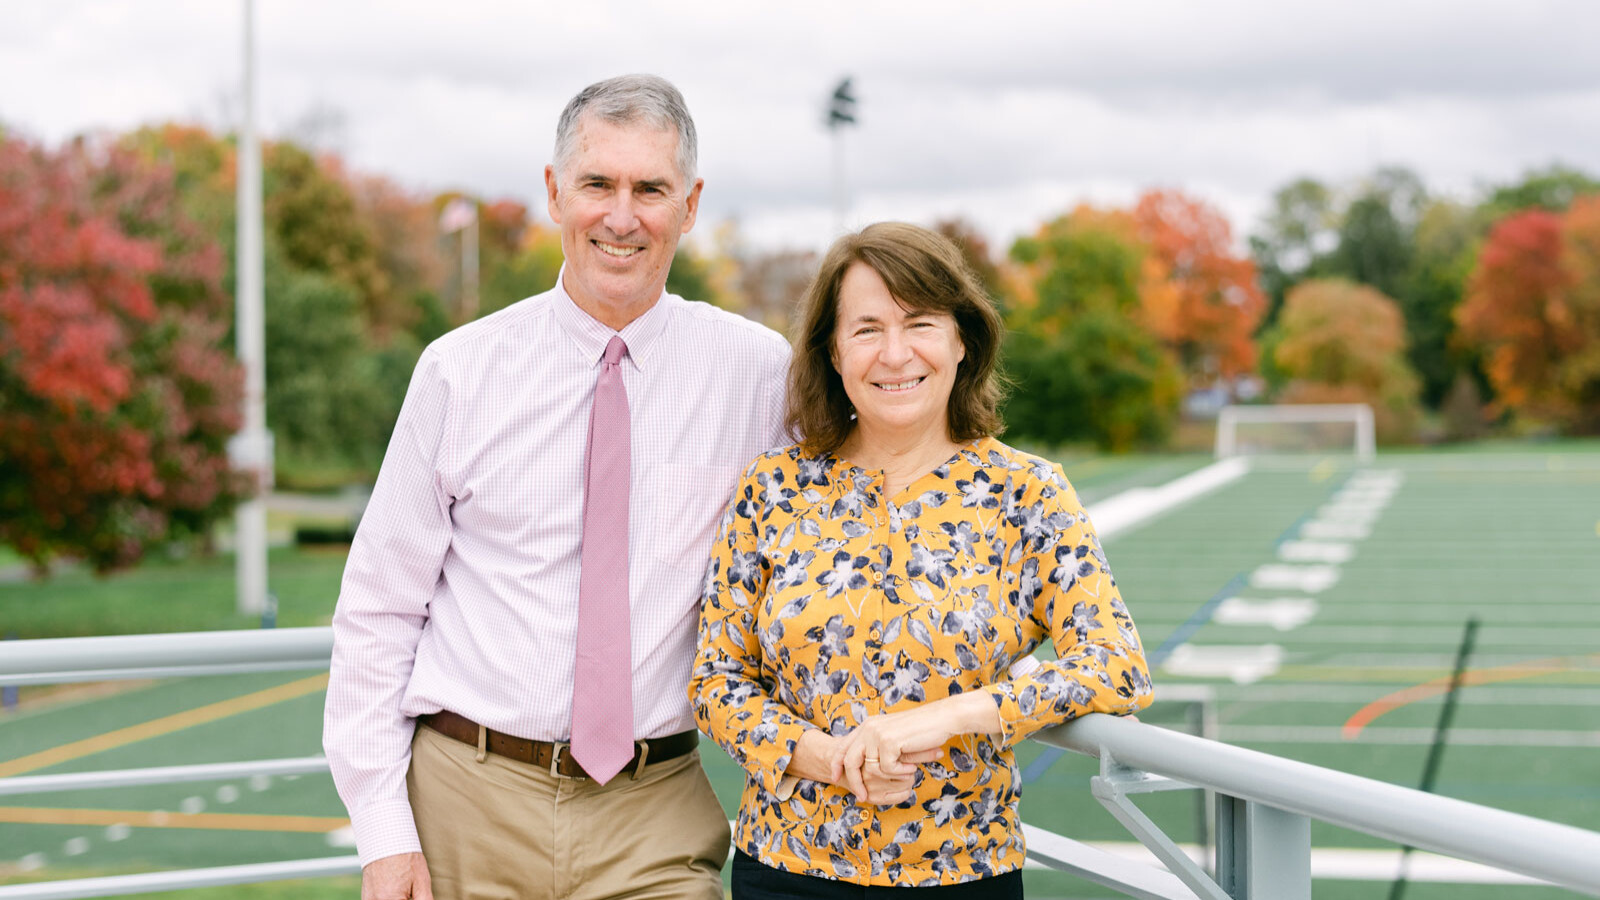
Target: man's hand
{"points": [[403, 876]]}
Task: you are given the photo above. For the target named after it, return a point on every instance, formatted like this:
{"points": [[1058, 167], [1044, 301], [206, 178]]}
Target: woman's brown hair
{"points": [[925, 273]]}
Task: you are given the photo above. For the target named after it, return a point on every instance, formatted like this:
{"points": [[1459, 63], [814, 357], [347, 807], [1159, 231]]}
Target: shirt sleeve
{"points": [[389, 580], [732, 699], [1100, 664]]}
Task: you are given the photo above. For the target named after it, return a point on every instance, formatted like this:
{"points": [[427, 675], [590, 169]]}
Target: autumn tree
{"points": [[1084, 365], [1533, 306], [118, 392], [1342, 342], [1552, 189], [1294, 239], [333, 234], [975, 250], [405, 235], [1209, 309]]}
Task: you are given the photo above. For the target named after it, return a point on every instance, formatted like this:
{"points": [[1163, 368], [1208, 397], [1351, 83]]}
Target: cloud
{"points": [[1006, 113]]}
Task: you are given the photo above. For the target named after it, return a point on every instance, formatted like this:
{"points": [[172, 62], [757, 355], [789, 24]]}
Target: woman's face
{"points": [[897, 366]]}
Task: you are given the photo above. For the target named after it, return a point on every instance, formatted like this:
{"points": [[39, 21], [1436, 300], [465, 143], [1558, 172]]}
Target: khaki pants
{"points": [[504, 829]]}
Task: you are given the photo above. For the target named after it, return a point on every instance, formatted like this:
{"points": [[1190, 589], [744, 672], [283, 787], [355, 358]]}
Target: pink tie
{"points": [[602, 694]]}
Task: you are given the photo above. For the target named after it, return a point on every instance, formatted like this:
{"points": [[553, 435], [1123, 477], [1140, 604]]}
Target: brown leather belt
{"points": [[556, 757]]}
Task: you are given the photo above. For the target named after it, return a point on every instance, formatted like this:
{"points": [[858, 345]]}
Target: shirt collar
{"points": [[591, 335]]}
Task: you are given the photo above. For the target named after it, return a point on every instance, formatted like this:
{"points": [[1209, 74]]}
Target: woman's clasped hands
{"points": [[878, 760]]}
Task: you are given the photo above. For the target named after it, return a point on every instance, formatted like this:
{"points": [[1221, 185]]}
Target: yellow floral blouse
{"points": [[827, 602]]}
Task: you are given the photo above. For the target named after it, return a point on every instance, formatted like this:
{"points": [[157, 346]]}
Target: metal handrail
{"points": [[1556, 853], [129, 656], [1538, 848]]}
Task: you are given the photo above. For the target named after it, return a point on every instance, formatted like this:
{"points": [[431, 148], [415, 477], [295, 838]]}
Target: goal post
{"points": [[1297, 428]]}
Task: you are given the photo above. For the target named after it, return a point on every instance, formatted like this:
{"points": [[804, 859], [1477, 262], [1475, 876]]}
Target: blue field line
{"points": [[1196, 621]]}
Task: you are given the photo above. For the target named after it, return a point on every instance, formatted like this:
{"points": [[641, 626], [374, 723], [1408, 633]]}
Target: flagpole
{"points": [[251, 449]]}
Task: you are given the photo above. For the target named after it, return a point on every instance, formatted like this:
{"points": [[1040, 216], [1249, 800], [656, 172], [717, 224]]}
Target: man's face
{"points": [[622, 204]]}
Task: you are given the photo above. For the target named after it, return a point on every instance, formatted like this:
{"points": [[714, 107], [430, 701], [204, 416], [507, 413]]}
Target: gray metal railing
{"points": [[1263, 810]]}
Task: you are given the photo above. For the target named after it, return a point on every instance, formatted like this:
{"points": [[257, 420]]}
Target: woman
{"points": [[873, 585]]}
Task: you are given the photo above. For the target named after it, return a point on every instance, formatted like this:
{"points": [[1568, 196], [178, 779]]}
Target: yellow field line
{"points": [[164, 725], [141, 819]]}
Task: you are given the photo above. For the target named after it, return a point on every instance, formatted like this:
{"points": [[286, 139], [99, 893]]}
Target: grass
{"points": [[170, 595]]}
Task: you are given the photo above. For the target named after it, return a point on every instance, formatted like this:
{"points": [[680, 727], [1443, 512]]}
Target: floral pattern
{"points": [[827, 602]]}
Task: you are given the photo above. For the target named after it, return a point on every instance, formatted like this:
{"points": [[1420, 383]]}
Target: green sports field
{"points": [[1311, 652]]}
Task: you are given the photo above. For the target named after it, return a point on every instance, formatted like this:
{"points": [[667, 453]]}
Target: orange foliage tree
{"points": [[1210, 305], [1533, 306], [1342, 342]]}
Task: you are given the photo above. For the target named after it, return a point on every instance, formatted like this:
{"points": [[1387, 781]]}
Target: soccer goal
{"points": [[1296, 428]]}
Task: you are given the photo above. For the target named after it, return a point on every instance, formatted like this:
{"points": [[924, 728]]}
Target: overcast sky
{"points": [[1007, 113]]}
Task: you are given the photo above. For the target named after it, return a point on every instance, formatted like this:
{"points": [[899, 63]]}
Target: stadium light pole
{"points": [[251, 449], [841, 112]]}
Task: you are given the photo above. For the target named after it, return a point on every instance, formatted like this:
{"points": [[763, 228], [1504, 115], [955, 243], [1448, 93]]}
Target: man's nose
{"points": [[621, 216]]}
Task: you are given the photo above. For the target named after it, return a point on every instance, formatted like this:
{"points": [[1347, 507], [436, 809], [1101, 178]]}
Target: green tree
{"points": [[1294, 239], [1551, 189], [1445, 247], [1376, 236], [332, 398], [1085, 367]]}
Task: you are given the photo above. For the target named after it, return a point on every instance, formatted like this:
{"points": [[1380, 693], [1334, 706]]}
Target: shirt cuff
{"points": [[768, 764], [384, 829]]}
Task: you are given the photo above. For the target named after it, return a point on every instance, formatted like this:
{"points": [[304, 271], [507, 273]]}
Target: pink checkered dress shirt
{"points": [[461, 591]]}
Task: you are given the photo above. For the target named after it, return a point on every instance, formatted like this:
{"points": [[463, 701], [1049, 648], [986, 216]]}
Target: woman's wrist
{"points": [[811, 759], [976, 713]]}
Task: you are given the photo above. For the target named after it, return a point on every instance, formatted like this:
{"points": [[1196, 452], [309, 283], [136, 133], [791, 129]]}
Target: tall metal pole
{"points": [[252, 448], [841, 196], [469, 270], [841, 112]]}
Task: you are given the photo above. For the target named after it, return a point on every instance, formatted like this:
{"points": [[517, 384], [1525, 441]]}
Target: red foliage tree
{"points": [[117, 396], [1533, 305], [1214, 305]]}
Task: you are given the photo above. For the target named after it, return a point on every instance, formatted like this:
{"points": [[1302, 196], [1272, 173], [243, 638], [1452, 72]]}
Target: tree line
{"points": [[119, 388]]}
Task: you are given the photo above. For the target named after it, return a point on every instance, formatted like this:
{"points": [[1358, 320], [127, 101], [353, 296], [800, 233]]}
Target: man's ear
{"points": [[552, 191], [693, 204]]}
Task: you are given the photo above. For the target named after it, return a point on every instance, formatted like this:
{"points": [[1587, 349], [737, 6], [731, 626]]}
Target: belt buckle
{"points": [[555, 759]]}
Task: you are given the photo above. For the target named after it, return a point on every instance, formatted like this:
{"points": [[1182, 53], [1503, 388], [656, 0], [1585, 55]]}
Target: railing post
{"points": [[1262, 853]]}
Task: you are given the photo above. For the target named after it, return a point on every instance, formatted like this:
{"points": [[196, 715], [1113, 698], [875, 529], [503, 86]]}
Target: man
{"points": [[506, 712]]}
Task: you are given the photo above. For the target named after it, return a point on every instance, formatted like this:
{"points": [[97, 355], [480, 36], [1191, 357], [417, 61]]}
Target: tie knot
{"points": [[615, 350]]}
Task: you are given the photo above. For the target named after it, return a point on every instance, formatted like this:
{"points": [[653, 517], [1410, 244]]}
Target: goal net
{"points": [[1296, 428]]}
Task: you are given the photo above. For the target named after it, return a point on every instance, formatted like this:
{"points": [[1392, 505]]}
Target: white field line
{"points": [[1347, 864], [1426, 613], [1579, 639], [1411, 660], [1459, 737], [1532, 695], [1115, 516]]}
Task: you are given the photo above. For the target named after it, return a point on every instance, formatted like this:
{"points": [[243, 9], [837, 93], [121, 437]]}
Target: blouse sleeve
{"points": [[732, 697], [1100, 664]]}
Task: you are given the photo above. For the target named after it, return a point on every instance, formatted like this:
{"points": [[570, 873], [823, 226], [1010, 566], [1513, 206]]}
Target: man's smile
{"points": [[622, 251]]}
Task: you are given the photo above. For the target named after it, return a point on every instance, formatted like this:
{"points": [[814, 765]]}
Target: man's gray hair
{"points": [[625, 100]]}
